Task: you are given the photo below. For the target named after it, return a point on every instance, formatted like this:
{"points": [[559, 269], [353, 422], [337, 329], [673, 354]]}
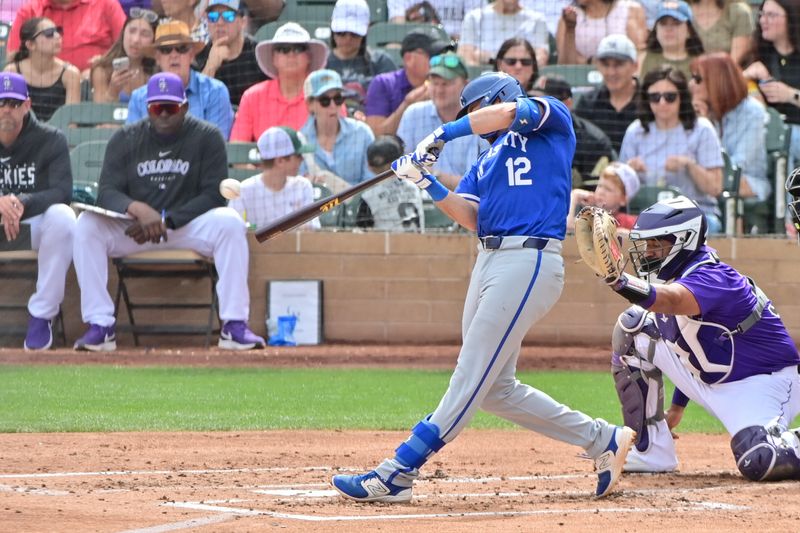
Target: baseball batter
{"points": [[35, 189], [516, 197], [716, 335], [164, 171]]}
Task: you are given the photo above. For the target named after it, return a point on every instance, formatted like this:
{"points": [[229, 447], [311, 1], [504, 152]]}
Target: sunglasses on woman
{"points": [[511, 61], [448, 61], [142, 13], [325, 101], [180, 48], [49, 32], [158, 108], [291, 48], [670, 97], [227, 15]]}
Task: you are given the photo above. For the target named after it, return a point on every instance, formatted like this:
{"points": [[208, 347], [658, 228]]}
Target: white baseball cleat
{"points": [[608, 464]]}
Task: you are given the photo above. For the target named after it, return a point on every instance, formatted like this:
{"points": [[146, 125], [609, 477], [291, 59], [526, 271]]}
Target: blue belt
{"points": [[494, 243]]}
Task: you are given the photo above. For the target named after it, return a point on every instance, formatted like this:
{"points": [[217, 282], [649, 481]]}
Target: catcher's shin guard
{"points": [[767, 454]]}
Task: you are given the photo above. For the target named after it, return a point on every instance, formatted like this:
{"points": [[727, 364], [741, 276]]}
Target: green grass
{"points": [[103, 398]]}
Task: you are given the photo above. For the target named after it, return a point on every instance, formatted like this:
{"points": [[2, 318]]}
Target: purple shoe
{"points": [[40, 334], [97, 339], [235, 335]]}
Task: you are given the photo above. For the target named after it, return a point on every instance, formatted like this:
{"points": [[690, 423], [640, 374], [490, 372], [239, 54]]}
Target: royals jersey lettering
{"points": [[522, 183]]}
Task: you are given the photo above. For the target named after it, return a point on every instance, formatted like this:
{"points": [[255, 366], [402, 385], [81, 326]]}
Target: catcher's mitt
{"points": [[599, 244]]}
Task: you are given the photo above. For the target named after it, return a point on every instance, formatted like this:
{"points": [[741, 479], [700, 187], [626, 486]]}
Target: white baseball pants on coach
{"points": [[510, 290], [51, 237], [219, 233]]}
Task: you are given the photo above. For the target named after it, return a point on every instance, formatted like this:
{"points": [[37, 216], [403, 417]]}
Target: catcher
{"points": [[710, 329]]}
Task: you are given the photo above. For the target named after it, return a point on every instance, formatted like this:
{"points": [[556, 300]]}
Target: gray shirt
{"points": [[486, 29]]}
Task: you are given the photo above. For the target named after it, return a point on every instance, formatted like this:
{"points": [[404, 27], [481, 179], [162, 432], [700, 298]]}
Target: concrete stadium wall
{"points": [[410, 288]]}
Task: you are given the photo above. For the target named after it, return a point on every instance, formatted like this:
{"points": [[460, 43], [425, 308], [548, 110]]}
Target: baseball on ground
{"points": [[229, 188]]}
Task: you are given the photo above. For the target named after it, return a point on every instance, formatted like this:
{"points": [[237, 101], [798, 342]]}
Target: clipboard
{"points": [[100, 211]]}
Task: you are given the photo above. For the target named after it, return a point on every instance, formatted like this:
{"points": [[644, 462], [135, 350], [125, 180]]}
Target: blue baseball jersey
{"points": [[726, 299], [522, 183]]}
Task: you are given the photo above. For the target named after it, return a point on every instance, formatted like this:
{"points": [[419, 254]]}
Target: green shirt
{"points": [[654, 60], [735, 21]]}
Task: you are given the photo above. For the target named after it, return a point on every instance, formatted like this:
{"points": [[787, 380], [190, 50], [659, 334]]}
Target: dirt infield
{"points": [[279, 480]]}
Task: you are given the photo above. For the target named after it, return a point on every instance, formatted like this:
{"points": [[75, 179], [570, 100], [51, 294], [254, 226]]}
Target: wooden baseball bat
{"points": [[323, 205]]}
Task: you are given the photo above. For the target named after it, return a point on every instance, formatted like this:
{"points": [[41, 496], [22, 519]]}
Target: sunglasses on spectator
{"points": [[180, 48], [511, 61], [142, 13], [447, 61], [670, 97], [697, 78], [49, 32], [347, 34], [325, 101], [227, 16], [13, 103], [157, 108], [291, 48]]}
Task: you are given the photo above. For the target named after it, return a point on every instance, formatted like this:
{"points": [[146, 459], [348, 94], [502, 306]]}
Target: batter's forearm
{"points": [[493, 118], [462, 211]]}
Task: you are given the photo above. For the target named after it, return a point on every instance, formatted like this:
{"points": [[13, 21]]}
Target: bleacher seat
{"points": [[242, 160], [729, 201], [297, 10], [648, 195], [382, 34], [777, 145], [582, 78], [89, 121], [332, 218], [5, 29], [87, 161], [318, 29]]}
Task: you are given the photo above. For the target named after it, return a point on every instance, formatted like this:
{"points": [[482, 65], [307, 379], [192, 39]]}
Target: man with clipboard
{"points": [[35, 191]]}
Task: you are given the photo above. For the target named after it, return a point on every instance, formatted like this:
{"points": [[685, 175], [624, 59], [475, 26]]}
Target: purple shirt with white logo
{"points": [[386, 93], [726, 299]]}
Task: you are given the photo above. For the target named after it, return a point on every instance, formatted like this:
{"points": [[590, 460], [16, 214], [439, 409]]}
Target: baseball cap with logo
{"points": [[448, 66], [233, 5], [350, 15], [12, 85], [165, 87], [280, 141], [677, 9], [321, 81], [616, 46], [427, 39]]}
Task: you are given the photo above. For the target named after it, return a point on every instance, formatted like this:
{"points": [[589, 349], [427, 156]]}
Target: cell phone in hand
{"points": [[121, 63]]}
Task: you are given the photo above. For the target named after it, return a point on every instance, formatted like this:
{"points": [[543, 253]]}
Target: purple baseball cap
{"points": [[12, 85], [165, 87]]}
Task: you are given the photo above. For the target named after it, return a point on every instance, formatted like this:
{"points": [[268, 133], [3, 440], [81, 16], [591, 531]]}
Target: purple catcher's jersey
{"points": [[704, 344], [522, 183]]}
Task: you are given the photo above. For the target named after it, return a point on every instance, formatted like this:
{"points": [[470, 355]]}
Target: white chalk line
{"points": [[114, 473], [185, 524]]}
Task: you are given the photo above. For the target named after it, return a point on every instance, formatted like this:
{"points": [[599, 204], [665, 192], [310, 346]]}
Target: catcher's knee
{"points": [[631, 322], [766, 454]]}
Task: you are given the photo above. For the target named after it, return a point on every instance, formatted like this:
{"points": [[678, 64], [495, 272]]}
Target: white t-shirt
{"points": [[451, 12], [486, 29], [551, 9], [260, 205]]}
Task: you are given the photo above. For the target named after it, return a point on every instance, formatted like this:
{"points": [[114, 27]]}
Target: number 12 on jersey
{"points": [[516, 169]]}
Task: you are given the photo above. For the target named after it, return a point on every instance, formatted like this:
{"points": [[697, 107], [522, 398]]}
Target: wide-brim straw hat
{"points": [[290, 33], [172, 33]]}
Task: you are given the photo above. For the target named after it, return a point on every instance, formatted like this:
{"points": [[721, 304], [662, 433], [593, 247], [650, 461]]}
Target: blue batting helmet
{"points": [[488, 87], [677, 220]]}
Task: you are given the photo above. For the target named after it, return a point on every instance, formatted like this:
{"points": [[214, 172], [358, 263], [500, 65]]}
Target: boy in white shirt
{"points": [[277, 190]]}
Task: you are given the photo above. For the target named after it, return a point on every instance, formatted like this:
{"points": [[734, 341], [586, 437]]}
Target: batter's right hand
{"points": [[429, 149], [405, 167]]}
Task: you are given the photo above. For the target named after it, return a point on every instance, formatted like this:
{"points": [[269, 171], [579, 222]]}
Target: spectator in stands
{"points": [[719, 93], [230, 55], [613, 106], [279, 189], [349, 54], [593, 150], [186, 12], [340, 157], [90, 26], [8, 10], [517, 58], [584, 25], [174, 50], [724, 26], [287, 59], [51, 81], [668, 145], [485, 29], [114, 82], [618, 184], [777, 63], [391, 93], [673, 41], [552, 11], [36, 191], [164, 172], [446, 79], [449, 13], [391, 205]]}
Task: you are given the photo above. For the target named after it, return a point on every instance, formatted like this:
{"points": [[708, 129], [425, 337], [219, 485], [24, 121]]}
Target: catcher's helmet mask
{"points": [[489, 88], [793, 188], [678, 221]]}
